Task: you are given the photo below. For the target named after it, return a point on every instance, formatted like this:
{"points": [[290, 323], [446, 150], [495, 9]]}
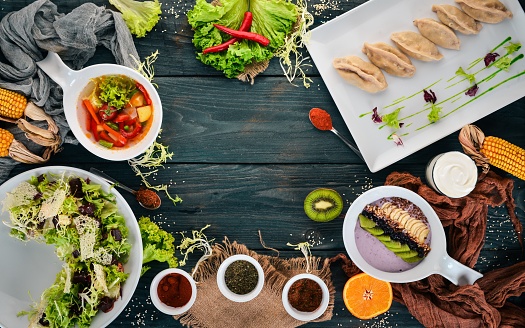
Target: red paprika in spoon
{"points": [[321, 119]]}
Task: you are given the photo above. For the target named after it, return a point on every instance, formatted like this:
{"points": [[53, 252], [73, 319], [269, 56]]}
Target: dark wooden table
{"points": [[247, 155]]}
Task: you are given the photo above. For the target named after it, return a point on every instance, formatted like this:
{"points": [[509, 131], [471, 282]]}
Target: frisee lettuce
{"points": [[391, 119], [154, 157], [433, 116], [470, 77], [115, 90]]}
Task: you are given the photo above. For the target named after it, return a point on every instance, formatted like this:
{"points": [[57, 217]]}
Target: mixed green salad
{"points": [[91, 238]]}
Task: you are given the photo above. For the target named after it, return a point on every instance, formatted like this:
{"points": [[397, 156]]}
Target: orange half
{"points": [[367, 297]]}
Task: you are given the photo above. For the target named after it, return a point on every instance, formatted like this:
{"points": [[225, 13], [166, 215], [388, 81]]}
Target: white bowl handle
{"points": [[456, 272], [55, 68]]}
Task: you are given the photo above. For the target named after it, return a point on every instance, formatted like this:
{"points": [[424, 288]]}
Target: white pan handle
{"points": [[456, 272], [59, 72]]}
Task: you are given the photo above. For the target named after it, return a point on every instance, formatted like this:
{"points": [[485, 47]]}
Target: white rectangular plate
{"points": [[373, 22]]}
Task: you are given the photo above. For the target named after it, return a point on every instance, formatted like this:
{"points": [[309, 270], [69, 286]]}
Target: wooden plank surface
{"points": [[247, 155]]}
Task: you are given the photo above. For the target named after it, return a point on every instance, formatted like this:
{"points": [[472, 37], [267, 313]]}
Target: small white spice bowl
{"points": [[300, 315], [166, 308], [221, 282]]}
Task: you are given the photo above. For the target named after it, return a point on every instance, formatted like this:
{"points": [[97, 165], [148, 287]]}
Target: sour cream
{"points": [[452, 174]]}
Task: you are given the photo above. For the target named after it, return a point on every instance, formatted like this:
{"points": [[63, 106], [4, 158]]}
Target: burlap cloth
{"points": [[212, 309], [25, 37], [436, 302]]}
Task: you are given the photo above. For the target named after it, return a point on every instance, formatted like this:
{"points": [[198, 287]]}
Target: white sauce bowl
{"points": [[221, 282], [301, 315], [164, 308]]}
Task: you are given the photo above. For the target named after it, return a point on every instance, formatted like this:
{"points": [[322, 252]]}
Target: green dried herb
{"points": [[241, 277]]}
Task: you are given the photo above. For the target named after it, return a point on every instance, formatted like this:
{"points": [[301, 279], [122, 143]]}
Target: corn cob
{"points": [[6, 139], [494, 151], [12, 104], [504, 155]]}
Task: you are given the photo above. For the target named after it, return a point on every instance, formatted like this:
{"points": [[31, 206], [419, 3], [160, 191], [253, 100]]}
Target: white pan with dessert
{"points": [[393, 234]]}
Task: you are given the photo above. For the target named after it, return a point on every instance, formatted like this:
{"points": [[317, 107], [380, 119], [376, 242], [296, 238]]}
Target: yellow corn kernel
{"points": [[12, 104], [6, 138], [504, 155]]}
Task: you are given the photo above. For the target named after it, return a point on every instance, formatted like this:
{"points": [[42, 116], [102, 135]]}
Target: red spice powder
{"points": [[174, 290], [305, 295], [147, 198], [320, 119]]}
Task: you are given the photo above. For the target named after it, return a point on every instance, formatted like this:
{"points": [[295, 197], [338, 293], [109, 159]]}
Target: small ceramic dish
{"points": [[75, 85], [437, 260], [221, 282], [170, 310], [301, 315]]}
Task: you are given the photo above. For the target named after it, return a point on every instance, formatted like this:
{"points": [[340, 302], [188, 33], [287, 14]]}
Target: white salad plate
{"points": [[30, 268], [373, 22]]}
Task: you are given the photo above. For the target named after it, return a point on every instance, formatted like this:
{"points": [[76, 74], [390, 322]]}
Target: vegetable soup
{"points": [[118, 111]]}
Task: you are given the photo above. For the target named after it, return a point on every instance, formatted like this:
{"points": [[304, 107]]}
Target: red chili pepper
{"points": [[94, 130], [121, 118], [261, 39], [245, 26], [130, 134], [144, 92]]}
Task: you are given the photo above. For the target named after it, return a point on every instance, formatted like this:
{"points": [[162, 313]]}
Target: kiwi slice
{"points": [[376, 231], [323, 205], [413, 259], [402, 250], [383, 238], [407, 255]]}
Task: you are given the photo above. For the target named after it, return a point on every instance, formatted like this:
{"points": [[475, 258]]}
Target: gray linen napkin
{"points": [[27, 34]]}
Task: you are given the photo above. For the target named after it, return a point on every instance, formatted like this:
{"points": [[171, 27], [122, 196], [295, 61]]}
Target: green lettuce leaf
{"points": [[272, 18], [140, 16]]}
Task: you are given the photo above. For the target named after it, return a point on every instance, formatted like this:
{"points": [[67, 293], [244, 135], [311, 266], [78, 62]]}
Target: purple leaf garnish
{"points": [[401, 124], [429, 96], [376, 118], [472, 90], [490, 58], [397, 140]]}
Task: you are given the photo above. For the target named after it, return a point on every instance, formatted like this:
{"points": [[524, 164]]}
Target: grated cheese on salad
{"points": [[81, 220], [100, 278], [87, 228], [51, 206], [22, 195], [67, 283]]}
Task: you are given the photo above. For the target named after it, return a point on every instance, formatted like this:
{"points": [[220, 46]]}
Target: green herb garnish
{"points": [[470, 77], [391, 119], [433, 116]]}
